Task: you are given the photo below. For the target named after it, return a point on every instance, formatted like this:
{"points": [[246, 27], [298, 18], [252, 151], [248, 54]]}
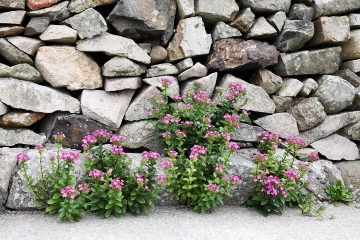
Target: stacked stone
{"points": [[81, 65]]}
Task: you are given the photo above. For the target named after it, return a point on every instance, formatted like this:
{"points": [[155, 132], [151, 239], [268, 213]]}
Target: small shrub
{"points": [[339, 193]]}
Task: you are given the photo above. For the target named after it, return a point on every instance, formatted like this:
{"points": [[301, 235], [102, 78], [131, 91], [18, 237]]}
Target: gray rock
{"points": [[246, 133], [267, 80], [294, 35], [280, 123], [290, 87], [270, 6], [22, 71], [354, 20], [117, 84], [70, 68], [236, 54], [349, 76], [218, 10], [329, 126], [277, 20], [351, 48], [261, 29], [336, 147], [11, 30], [36, 26], [56, 12], [207, 84], [173, 88], [146, 47], [112, 113], [148, 137], [12, 17], [334, 7], [198, 70], [77, 6], [121, 67], [330, 31], [308, 112], [244, 20], [12, 4], [357, 97], [169, 31], [114, 45], [158, 54], [303, 154], [302, 63], [353, 65], [350, 173], [257, 99], [140, 18], [20, 136], [161, 70], [301, 12], [26, 44], [334, 93], [88, 23], [36, 98], [351, 131], [13, 54], [310, 86], [186, 8], [184, 64], [222, 30], [282, 104], [59, 34], [3, 108], [189, 40]]}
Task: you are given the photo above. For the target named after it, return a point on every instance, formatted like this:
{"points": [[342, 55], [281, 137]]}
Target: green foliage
{"points": [[339, 193]]}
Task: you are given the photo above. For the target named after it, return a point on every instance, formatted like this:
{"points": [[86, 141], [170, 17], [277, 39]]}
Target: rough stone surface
{"points": [[11, 30], [236, 54], [280, 123], [23, 72], [207, 84], [184, 64], [329, 126], [59, 34], [88, 23], [186, 8], [77, 6], [218, 10], [270, 6], [110, 114], [222, 30], [169, 31], [173, 88], [294, 35], [310, 86], [335, 93], [140, 106], [12, 4], [158, 54], [327, 60], [3, 108], [282, 104], [12, 17], [36, 26], [277, 20], [301, 12], [290, 87], [198, 70], [354, 20], [353, 65], [20, 136], [258, 99], [39, 4], [36, 98], [64, 66], [114, 45], [13, 54], [244, 20], [351, 131], [330, 31], [189, 40], [349, 76], [334, 7], [267, 80], [308, 112], [20, 119], [121, 67], [261, 29], [246, 133], [336, 147], [57, 12], [351, 48], [26, 44], [303, 154], [117, 84], [161, 70], [350, 172]]}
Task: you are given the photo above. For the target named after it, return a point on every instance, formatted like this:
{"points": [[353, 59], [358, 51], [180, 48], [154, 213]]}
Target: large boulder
{"points": [[269, 6], [280, 123], [218, 10], [334, 7]]}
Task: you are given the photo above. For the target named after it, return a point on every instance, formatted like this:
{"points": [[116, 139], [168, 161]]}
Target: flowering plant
{"points": [[197, 137], [277, 179]]}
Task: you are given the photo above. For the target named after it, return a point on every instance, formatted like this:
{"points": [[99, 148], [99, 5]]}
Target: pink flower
{"points": [[161, 179], [302, 166], [22, 157], [234, 179], [88, 140], [166, 81], [110, 171], [52, 155], [173, 153], [40, 148], [117, 139], [313, 156], [97, 174], [150, 155], [188, 123], [117, 183], [101, 134], [140, 179], [291, 174], [166, 164], [196, 150], [213, 188], [233, 146], [246, 112], [180, 134], [177, 97], [226, 135], [58, 137], [295, 141], [68, 192], [83, 187], [211, 134], [73, 157], [170, 119], [232, 119], [260, 156], [166, 134], [273, 186], [89, 155], [219, 168], [117, 150]]}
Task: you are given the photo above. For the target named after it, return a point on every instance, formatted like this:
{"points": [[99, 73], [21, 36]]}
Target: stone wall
{"points": [[81, 65]]}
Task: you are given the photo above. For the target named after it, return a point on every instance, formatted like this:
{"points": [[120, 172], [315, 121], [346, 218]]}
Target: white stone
{"points": [[26, 44], [290, 88], [117, 84], [198, 70], [161, 70], [59, 34]]}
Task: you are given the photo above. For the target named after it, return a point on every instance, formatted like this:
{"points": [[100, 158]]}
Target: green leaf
{"points": [[140, 199], [108, 212]]}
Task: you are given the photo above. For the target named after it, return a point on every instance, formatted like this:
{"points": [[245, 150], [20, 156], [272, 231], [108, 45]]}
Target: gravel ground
{"points": [[237, 223]]}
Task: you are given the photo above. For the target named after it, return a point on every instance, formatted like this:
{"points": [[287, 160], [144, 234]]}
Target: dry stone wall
{"points": [[81, 65]]}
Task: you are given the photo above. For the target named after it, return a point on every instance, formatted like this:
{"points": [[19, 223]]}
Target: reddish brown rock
{"points": [[39, 4], [237, 54], [20, 119]]}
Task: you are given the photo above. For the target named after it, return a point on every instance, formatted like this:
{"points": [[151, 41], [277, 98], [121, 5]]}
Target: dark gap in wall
{"points": [[100, 58], [4, 61]]}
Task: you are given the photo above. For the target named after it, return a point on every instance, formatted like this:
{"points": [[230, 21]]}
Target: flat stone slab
{"points": [[280, 123], [117, 84], [20, 136]]}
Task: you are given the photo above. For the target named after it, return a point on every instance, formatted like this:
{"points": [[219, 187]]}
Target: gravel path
{"points": [[236, 223]]}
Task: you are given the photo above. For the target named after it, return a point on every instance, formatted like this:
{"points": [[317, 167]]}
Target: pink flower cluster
{"points": [[117, 139], [260, 156], [166, 134], [232, 178], [73, 157], [117, 150], [150, 155], [219, 168], [233, 119], [88, 140], [101, 134], [173, 153], [314, 156], [226, 135], [97, 174], [83, 187], [68, 192], [235, 90], [40, 148], [166, 164], [202, 96], [266, 136], [170, 119], [58, 137], [187, 123], [161, 179], [211, 134], [166, 81], [272, 185], [213, 188], [196, 150], [302, 166], [291, 174], [295, 141], [140, 179], [180, 134], [117, 183], [22, 157], [177, 97], [233, 146]]}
